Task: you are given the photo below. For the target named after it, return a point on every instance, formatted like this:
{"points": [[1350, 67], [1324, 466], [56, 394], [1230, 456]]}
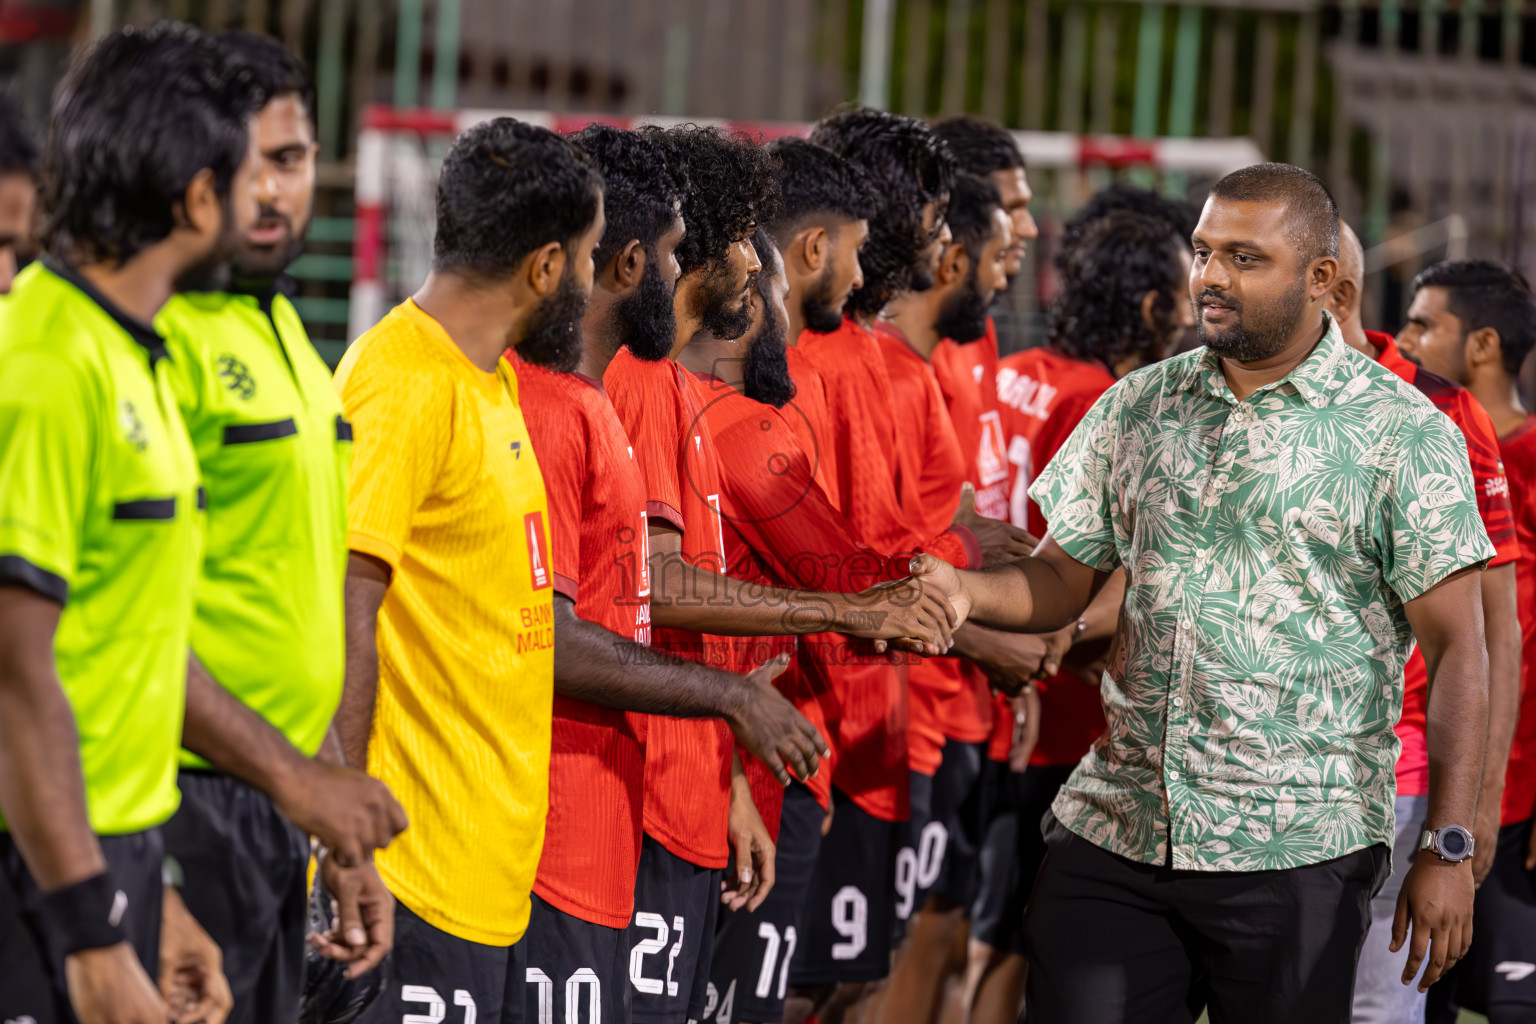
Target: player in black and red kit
{"points": [[1474, 322], [1380, 992]]}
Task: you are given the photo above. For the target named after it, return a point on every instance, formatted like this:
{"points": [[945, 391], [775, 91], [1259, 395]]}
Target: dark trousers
{"points": [[32, 982], [1114, 941], [244, 867]]}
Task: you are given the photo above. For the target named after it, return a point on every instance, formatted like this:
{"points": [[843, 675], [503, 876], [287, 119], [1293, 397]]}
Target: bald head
{"points": [[1351, 255], [1344, 297]]}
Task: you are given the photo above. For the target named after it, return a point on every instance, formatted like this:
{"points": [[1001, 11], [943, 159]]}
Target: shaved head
{"points": [[1351, 254]]}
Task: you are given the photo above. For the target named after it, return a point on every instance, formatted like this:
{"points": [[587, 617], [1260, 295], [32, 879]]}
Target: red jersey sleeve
{"points": [[647, 399], [1487, 475], [559, 438]]}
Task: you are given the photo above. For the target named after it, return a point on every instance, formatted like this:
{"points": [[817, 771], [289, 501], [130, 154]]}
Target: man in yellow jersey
{"points": [[451, 666], [150, 178], [268, 647]]}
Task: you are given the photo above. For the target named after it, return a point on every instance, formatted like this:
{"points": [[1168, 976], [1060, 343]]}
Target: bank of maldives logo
{"points": [[992, 458], [533, 530]]}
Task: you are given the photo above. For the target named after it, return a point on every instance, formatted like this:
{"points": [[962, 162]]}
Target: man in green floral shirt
{"points": [[1291, 516]]}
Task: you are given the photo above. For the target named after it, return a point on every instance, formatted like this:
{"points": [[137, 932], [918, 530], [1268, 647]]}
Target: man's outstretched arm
{"points": [[1436, 899], [689, 596], [1038, 594], [601, 667]]}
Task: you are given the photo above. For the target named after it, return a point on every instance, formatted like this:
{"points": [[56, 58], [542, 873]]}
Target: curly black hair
{"points": [[1486, 293], [642, 193], [816, 182], [1180, 215], [731, 189], [142, 113], [972, 203], [278, 70], [908, 166], [1119, 258], [507, 188], [18, 152], [979, 145]]}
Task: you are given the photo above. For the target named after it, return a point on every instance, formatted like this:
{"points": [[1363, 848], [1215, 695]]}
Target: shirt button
{"points": [[1186, 624], [1173, 773], [1178, 702]]}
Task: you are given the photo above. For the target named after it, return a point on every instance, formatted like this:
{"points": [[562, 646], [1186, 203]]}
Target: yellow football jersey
{"points": [[446, 489]]}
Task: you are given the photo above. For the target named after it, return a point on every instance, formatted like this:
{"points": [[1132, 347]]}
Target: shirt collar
{"points": [[136, 329], [1315, 380]]}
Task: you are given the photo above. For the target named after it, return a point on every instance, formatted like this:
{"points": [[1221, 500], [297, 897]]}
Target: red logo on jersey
{"points": [[645, 556], [533, 529], [991, 459]]}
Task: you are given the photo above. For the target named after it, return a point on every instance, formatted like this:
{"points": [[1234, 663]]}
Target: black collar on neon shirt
{"points": [[136, 329]]}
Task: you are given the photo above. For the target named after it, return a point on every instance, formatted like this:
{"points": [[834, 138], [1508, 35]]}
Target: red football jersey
{"points": [[1044, 395], [598, 556], [783, 531], [807, 415], [687, 760], [857, 441], [1519, 451], [968, 378], [955, 705], [862, 446], [1498, 517]]}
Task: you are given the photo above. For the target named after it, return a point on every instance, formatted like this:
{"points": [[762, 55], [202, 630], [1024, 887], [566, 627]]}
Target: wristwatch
{"points": [[1451, 843]]}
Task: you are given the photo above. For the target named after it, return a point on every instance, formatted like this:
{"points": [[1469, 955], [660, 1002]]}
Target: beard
{"points": [[266, 262], [819, 307], [726, 314], [765, 372], [1258, 335], [963, 319], [553, 337], [644, 320]]}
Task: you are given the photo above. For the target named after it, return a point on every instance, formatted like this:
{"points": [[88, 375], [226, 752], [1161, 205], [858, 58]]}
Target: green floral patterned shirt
{"points": [[1269, 545]]}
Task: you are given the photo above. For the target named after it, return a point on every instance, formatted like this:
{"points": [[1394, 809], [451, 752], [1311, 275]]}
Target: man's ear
{"points": [[201, 209], [953, 265], [629, 265], [1322, 273], [1149, 311], [1483, 346], [545, 267], [815, 248]]}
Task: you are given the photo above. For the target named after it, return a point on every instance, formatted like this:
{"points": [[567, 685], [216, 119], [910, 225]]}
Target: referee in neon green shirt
{"points": [[274, 450], [148, 171]]}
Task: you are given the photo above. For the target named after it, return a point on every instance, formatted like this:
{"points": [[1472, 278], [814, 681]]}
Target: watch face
{"points": [[1454, 843]]}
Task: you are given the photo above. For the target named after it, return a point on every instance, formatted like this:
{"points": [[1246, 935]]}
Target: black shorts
{"points": [[582, 969], [32, 983], [1112, 939], [749, 975], [1012, 850], [441, 977], [849, 914], [244, 869], [961, 801], [671, 936], [1499, 971]]}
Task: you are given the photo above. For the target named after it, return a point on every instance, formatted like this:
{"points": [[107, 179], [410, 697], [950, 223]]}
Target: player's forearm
{"points": [[601, 667], [365, 588], [1501, 619], [42, 786], [1456, 728], [687, 596], [219, 728]]}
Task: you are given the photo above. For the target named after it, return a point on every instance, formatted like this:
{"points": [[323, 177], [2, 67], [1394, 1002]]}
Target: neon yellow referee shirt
{"points": [[274, 451], [99, 512]]}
